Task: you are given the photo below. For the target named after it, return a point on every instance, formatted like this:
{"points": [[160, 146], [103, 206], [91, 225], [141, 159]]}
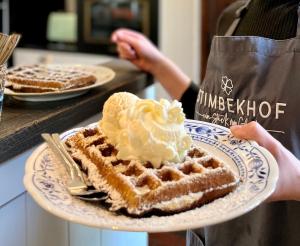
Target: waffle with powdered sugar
{"points": [[47, 78], [139, 188]]}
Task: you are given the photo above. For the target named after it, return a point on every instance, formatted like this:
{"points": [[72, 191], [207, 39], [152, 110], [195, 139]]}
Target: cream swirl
{"points": [[146, 130], [153, 131]]}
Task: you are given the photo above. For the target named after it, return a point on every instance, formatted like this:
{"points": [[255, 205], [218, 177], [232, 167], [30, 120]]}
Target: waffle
{"points": [[47, 78], [140, 189]]}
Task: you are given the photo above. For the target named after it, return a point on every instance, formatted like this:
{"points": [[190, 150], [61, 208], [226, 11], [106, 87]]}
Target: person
{"points": [[251, 85], [287, 187]]}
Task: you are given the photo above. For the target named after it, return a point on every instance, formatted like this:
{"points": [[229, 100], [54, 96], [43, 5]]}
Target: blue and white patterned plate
{"points": [[45, 180]]}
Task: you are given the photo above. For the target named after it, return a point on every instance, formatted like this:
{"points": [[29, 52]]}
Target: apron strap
{"points": [[239, 13], [298, 25]]}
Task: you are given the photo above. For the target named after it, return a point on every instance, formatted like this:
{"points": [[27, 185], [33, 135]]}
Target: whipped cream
{"points": [[112, 108], [144, 129]]}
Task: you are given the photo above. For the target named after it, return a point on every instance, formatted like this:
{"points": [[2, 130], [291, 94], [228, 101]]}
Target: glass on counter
{"points": [[3, 71]]}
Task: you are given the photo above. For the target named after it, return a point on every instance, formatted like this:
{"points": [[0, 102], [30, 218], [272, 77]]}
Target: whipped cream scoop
{"points": [[112, 108], [144, 129]]}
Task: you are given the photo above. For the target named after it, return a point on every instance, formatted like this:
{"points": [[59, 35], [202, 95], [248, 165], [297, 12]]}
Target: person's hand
{"points": [[288, 185], [138, 49]]}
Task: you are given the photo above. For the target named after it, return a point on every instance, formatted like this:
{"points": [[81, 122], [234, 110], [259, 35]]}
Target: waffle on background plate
{"points": [[141, 189], [47, 78]]}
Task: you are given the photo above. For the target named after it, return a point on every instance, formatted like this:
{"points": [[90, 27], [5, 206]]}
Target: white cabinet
{"points": [[42, 228], [11, 178], [82, 235], [13, 223], [117, 238], [25, 223]]}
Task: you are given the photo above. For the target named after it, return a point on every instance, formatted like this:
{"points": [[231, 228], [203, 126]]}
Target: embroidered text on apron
{"points": [[254, 78]]}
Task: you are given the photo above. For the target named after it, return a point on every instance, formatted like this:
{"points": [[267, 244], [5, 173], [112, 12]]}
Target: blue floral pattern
{"points": [[220, 137], [45, 180]]}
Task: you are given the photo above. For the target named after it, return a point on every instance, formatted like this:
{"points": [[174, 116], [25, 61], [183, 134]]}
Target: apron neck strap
{"points": [[298, 25], [241, 11], [238, 14]]}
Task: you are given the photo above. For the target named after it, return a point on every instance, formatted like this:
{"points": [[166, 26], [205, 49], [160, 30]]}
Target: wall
{"points": [[179, 36]]}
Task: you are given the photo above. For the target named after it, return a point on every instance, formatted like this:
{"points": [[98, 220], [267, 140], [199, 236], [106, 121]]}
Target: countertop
{"points": [[22, 122]]}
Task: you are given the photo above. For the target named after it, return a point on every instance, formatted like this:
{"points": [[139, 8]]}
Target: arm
{"points": [[288, 185], [138, 49]]}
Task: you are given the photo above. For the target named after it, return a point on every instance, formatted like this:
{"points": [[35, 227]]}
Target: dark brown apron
{"points": [[254, 78]]}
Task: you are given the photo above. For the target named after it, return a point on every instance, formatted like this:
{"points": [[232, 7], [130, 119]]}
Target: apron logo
{"points": [[226, 85]]}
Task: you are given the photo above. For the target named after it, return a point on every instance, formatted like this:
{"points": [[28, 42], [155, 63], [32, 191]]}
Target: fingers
{"points": [[135, 43], [126, 51], [119, 34], [126, 41], [254, 131], [128, 45], [248, 131], [287, 187]]}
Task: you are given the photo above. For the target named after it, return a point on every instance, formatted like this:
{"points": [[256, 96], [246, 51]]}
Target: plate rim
{"points": [[243, 209]]}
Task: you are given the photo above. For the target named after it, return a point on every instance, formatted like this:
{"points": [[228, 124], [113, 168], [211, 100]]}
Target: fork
{"points": [[8, 44], [77, 185]]}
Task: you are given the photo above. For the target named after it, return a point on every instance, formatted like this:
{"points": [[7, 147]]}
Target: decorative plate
{"points": [[103, 75], [45, 178]]}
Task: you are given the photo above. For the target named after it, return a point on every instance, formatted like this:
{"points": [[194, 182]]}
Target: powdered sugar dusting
{"points": [[99, 183], [169, 188], [45, 180]]}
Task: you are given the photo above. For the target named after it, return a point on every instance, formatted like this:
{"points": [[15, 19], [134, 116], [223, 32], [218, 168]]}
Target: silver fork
{"points": [[77, 185]]}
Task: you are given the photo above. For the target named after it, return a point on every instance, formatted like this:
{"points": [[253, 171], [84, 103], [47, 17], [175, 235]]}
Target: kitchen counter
{"points": [[22, 122]]}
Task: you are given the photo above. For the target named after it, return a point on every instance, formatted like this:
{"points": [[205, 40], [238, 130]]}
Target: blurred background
{"points": [[78, 31]]}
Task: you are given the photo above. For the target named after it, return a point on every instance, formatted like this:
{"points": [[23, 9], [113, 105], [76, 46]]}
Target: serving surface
{"points": [[45, 180]]}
